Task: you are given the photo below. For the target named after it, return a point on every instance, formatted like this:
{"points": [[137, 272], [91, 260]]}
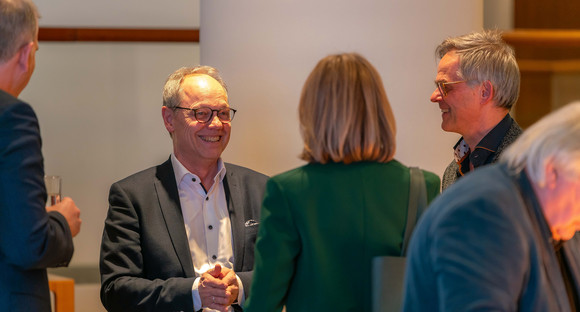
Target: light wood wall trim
{"points": [[118, 34], [543, 37]]}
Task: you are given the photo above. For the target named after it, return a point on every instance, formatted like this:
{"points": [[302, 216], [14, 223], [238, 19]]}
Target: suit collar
{"points": [[234, 196], [168, 196]]}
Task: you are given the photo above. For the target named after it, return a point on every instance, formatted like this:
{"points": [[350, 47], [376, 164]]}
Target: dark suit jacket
{"points": [[145, 261], [30, 239], [484, 245]]}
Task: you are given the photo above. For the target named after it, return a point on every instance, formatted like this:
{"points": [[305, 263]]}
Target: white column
{"points": [[266, 49]]}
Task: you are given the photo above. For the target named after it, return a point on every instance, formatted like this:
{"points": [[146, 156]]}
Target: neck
{"points": [[8, 82], [206, 171], [485, 125]]}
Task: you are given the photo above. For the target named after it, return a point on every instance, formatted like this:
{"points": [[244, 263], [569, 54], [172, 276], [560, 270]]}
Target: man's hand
{"points": [[233, 288], [218, 288], [212, 290], [71, 213]]}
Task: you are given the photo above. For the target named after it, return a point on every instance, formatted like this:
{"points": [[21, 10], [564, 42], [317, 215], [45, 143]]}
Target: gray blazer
{"points": [[145, 258]]}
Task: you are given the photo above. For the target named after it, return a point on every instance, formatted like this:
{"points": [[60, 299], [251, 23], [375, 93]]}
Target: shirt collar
{"points": [[492, 140], [481, 154], [180, 171]]}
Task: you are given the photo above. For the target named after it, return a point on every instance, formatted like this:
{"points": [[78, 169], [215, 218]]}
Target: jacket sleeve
{"points": [[30, 237], [127, 279], [277, 248]]}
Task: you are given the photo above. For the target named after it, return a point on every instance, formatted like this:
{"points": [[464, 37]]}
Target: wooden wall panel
{"points": [[542, 14], [118, 34]]}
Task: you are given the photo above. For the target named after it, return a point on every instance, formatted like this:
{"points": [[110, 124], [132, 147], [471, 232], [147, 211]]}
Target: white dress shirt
{"points": [[207, 225]]}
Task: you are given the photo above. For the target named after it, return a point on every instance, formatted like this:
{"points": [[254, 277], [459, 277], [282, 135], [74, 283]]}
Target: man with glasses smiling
{"points": [[180, 236], [477, 83]]}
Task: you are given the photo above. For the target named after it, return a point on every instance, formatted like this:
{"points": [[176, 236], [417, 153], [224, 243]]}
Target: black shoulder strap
{"points": [[417, 204]]}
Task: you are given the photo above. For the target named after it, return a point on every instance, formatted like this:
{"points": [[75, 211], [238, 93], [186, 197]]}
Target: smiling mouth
{"points": [[446, 110], [210, 139]]}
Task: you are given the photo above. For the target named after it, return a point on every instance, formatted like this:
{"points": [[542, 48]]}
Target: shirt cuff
{"points": [[241, 297], [195, 295]]}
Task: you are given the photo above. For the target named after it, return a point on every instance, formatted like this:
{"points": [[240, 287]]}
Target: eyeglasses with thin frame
{"points": [[442, 86], [205, 114]]}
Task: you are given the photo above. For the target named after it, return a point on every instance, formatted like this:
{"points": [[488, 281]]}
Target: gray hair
{"points": [[172, 89], [485, 56], [555, 137], [18, 23]]}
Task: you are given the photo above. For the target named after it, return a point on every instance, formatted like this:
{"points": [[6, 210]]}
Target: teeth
{"points": [[445, 110], [210, 139]]}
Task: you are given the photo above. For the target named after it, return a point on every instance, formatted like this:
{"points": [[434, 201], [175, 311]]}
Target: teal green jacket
{"points": [[320, 227]]}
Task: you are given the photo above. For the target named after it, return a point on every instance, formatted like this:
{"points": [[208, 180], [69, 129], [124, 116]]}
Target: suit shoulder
{"points": [[12, 106], [244, 171], [512, 134], [138, 177]]}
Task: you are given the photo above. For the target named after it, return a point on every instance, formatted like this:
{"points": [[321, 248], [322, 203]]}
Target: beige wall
{"points": [[266, 50], [99, 104]]}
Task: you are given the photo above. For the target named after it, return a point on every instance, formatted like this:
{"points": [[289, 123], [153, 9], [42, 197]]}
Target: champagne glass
{"points": [[53, 189]]}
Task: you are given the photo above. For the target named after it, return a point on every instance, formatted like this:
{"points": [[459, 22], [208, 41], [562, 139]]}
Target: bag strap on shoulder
{"points": [[417, 204]]}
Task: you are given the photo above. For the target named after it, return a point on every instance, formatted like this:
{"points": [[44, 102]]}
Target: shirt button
{"points": [[207, 198], [193, 179], [214, 257], [210, 227]]}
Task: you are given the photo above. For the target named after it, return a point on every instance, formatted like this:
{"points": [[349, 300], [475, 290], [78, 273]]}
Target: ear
{"points": [[167, 114], [24, 56], [550, 175], [486, 91]]}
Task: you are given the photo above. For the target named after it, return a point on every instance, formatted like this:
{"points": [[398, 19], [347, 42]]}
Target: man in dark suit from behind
{"points": [[32, 237], [180, 236]]}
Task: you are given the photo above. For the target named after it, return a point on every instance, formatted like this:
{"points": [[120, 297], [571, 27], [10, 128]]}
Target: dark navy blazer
{"points": [[30, 238]]}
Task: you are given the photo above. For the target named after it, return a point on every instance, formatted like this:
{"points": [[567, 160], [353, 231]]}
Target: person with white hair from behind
{"points": [[502, 238]]}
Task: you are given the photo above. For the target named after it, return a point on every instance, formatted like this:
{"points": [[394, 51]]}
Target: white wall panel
{"points": [[99, 107], [266, 49], [119, 13]]}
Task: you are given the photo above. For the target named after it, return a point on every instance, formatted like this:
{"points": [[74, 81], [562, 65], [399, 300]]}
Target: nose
{"points": [[215, 121], [436, 96]]}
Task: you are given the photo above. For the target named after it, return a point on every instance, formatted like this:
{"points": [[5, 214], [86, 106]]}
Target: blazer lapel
{"points": [[237, 218], [170, 206]]}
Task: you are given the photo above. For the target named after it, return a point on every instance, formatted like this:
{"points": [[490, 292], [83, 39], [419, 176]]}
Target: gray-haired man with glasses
{"points": [[478, 81], [180, 236]]}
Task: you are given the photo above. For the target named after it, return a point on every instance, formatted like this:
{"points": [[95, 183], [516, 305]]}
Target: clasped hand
{"points": [[218, 288]]}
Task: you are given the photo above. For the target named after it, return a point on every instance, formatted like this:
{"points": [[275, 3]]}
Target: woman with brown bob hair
{"points": [[322, 223]]}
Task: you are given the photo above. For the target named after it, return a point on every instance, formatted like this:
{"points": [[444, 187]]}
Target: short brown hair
{"points": [[344, 112]]}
